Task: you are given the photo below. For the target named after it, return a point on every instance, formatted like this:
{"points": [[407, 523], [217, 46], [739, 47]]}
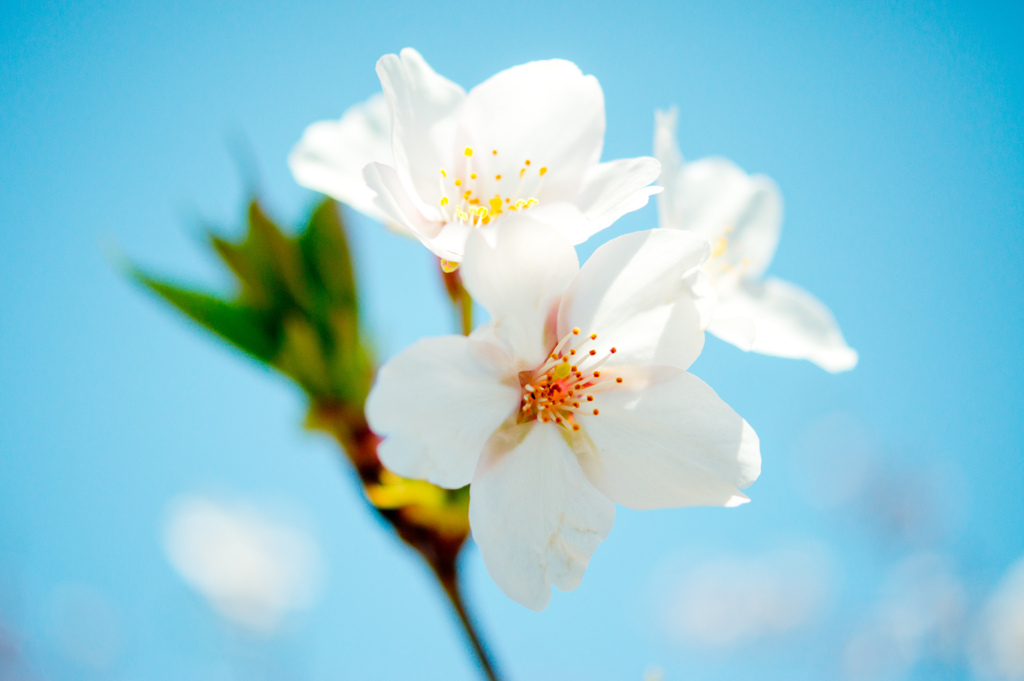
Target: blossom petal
{"points": [[437, 402], [545, 113], [534, 516], [739, 331], [662, 439], [423, 108], [331, 155], [610, 190], [714, 197], [666, 150], [565, 218], [789, 322], [643, 293], [394, 202], [517, 272]]}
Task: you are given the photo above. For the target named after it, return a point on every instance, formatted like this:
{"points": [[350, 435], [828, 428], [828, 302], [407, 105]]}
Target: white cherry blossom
{"points": [[573, 398], [331, 155], [526, 139], [741, 215]]}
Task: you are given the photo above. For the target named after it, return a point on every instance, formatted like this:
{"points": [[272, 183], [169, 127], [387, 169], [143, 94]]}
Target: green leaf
{"points": [[324, 246], [257, 285], [243, 327], [275, 252]]}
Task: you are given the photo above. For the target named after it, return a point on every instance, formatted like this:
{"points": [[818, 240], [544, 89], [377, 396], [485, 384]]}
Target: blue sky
{"points": [[893, 129]]}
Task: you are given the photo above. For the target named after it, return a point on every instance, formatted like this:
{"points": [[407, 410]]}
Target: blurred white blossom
{"points": [[735, 601], [573, 398], [252, 569], [741, 215], [998, 645]]}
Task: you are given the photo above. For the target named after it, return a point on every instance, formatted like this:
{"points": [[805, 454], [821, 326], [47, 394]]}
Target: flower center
{"points": [[723, 266], [565, 383], [477, 198]]}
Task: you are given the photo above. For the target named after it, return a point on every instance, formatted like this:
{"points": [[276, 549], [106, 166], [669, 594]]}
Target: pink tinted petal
{"points": [[534, 516], [436, 403]]}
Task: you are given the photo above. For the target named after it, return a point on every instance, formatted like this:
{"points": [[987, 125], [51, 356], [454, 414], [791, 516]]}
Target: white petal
{"points": [[666, 150], [331, 155], [437, 403], [610, 190], [423, 108], [714, 197], [518, 278], [643, 294], [545, 112], [739, 331], [565, 218], [663, 438], [534, 515], [789, 322], [394, 202]]}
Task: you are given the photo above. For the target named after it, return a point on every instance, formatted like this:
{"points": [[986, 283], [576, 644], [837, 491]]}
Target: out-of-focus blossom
{"points": [[741, 215], [527, 139], [998, 645], [331, 155], [251, 569], [919, 616], [574, 398], [732, 601]]}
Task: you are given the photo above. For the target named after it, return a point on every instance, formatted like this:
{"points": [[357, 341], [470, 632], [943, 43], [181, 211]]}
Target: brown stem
{"points": [[449, 579], [439, 549], [461, 300]]}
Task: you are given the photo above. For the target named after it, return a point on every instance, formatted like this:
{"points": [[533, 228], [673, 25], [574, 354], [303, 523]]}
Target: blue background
{"points": [[893, 129]]}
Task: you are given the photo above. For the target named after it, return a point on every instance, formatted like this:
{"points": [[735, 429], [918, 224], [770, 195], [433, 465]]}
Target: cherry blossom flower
{"points": [[741, 215], [331, 155], [573, 398], [527, 139]]}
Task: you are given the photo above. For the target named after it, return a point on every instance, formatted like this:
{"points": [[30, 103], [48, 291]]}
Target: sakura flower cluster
{"points": [[576, 394]]}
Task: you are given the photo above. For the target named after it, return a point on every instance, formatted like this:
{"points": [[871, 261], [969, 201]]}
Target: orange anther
{"points": [[593, 352], [576, 331], [614, 350], [593, 336], [590, 398], [619, 379], [597, 374], [596, 412]]}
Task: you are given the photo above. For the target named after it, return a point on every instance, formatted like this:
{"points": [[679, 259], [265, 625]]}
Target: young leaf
{"points": [[244, 328]]}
